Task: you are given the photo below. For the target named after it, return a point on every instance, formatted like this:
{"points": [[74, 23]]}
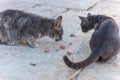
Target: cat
{"points": [[104, 43], [16, 25]]}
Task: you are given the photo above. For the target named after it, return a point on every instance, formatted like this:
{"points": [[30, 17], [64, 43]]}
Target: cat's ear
{"points": [[58, 21], [81, 18], [89, 14]]}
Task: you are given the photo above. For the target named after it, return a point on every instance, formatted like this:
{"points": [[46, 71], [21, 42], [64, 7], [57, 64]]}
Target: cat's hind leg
{"points": [[102, 60], [110, 56], [107, 56]]}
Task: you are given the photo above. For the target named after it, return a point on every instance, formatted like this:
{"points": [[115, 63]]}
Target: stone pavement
{"points": [[21, 62]]}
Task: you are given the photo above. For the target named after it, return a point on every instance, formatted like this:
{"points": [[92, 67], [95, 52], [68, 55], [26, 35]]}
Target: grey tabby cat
{"points": [[17, 25], [104, 43]]}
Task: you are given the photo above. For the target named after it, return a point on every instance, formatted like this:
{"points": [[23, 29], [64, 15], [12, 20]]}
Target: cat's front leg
{"points": [[3, 37], [11, 41], [10, 34], [32, 42], [5, 40]]}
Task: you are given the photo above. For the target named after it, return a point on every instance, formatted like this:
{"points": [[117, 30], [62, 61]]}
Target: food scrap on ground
{"points": [[69, 53], [70, 43], [46, 50], [72, 35], [62, 46], [57, 49]]}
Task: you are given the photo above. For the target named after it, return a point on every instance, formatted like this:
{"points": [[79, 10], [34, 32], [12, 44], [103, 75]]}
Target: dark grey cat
{"points": [[16, 25], [104, 43]]}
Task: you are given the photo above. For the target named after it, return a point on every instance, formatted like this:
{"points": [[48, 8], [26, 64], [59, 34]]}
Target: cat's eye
{"points": [[53, 31], [83, 22]]}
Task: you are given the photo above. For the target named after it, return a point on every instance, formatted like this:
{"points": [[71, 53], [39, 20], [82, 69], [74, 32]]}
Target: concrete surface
{"points": [[21, 62]]}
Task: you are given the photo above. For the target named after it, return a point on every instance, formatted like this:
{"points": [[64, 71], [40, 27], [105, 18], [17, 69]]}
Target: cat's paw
{"points": [[35, 45], [11, 43]]}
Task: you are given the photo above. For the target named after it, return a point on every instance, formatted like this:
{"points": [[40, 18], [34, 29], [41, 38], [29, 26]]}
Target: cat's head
{"points": [[57, 30], [86, 22]]}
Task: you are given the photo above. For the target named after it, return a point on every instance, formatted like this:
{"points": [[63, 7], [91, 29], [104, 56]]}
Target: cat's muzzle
{"points": [[85, 31], [58, 39]]}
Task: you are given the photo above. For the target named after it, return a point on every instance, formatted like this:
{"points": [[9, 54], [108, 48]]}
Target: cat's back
{"points": [[108, 26], [17, 13], [17, 16], [107, 33], [10, 13]]}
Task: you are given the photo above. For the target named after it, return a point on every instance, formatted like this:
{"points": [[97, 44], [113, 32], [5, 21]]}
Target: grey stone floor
{"points": [[15, 61]]}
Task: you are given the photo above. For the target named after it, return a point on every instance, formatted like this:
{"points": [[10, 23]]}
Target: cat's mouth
{"points": [[85, 31], [58, 39]]}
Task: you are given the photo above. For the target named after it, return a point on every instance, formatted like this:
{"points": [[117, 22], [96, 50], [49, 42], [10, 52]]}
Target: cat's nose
{"points": [[58, 39], [84, 30]]}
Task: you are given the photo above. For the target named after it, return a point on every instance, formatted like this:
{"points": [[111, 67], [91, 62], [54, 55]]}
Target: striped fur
{"points": [[17, 25]]}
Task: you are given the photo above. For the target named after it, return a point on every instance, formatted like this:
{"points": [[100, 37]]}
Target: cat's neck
{"points": [[45, 26], [92, 20], [98, 20]]}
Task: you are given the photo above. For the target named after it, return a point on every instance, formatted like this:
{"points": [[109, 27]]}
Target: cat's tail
{"points": [[80, 65]]}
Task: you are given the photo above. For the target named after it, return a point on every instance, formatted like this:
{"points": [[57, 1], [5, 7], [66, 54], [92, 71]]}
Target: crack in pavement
{"points": [[57, 7], [98, 3], [112, 1], [67, 9], [91, 7], [36, 5]]}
